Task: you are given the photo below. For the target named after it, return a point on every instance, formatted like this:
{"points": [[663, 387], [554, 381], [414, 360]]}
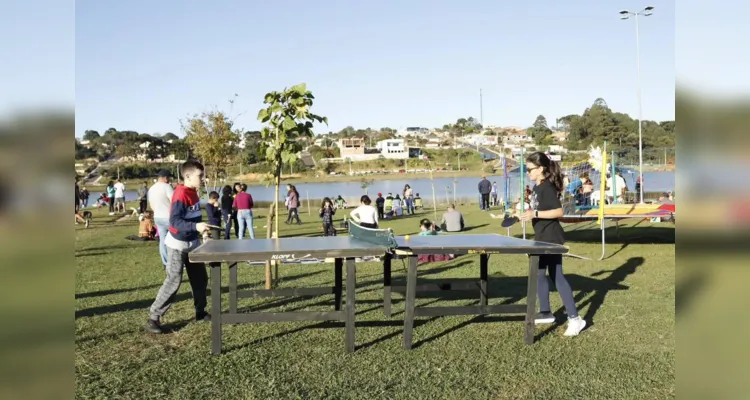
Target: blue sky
{"points": [[145, 65]]}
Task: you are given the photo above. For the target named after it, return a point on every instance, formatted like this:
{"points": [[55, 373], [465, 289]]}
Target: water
{"points": [[466, 187]]}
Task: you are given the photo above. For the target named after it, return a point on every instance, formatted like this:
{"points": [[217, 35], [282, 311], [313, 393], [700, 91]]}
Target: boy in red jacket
{"points": [[185, 229]]}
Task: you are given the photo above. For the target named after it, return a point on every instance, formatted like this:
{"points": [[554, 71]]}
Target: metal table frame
{"points": [[411, 310], [346, 249]]}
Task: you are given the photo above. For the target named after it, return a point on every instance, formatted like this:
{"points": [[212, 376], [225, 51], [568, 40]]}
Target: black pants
{"points": [[368, 225], [293, 214], [236, 224], [380, 212], [142, 206], [552, 263], [227, 217], [112, 204], [485, 201], [328, 229]]}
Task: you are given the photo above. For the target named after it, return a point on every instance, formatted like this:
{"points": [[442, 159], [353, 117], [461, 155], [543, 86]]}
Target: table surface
{"points": [[348, 246]]}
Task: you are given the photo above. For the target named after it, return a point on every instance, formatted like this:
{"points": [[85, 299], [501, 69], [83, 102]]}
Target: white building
{"points": [[412, 130], [518, 137], [482, 140], [392, 146]]}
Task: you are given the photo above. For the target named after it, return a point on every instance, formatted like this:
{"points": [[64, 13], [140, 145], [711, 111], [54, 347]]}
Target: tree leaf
{"points": [[262, 114], [289, 123], [300, 88]]}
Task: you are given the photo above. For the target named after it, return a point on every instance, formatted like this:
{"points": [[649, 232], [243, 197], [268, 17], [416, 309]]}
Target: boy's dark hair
{"points": [[365, 199], [213, 195], [243, 187], [326, 199], [427, 224], [190, 166], [227, 190]]}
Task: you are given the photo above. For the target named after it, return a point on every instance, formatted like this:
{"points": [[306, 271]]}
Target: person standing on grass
{"points": [[213, 212], [143, 197], [84, 197], [119, 196], [293, 206], [185, 229], [493, 195], [326, 214], [365, 215], [544, 213], [484, 187], [408, 200], [227, 202], [236, 189], [243, 202], [160, 198], [380, 205], [111, 195]]}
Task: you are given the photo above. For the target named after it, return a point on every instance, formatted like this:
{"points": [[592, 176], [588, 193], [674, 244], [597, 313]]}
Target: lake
{"points": [[465, 187]]}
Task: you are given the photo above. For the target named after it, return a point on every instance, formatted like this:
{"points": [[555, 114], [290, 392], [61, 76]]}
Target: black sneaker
{"points": [[544, 318], [203, 317], [153, 326]]}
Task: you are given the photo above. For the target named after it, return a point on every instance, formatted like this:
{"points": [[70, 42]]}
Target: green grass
{"points": [[628, 352]]}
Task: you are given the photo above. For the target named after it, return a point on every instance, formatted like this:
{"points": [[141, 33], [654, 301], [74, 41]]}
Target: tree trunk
{"points": [[269, 233]]}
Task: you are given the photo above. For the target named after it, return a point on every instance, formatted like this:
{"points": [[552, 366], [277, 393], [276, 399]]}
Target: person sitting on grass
{"points": [[453, 221], [397, 206], [147, 229], [388, 202], [427, 228], [417, 202], [184, 234]]}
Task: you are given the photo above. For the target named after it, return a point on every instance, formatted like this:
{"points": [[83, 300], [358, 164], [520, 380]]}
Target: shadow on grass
{"points": [[594, 302], [145, 303], [687, 289]]}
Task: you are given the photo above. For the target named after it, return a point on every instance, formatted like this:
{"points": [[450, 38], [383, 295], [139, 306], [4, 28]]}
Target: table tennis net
{"points": [[382, 237]]}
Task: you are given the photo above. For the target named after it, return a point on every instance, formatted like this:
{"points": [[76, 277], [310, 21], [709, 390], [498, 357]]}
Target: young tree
{"points": [[288, 118], [212, 138]]}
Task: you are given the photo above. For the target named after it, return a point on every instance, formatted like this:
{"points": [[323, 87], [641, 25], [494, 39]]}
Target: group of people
{"points": [[184, 227], [390, 206]]}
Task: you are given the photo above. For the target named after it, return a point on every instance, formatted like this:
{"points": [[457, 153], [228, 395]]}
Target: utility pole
{"points": [[481, 110]]}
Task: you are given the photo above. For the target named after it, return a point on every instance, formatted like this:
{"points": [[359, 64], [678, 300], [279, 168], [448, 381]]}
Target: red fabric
{"points": [[243, 201]]}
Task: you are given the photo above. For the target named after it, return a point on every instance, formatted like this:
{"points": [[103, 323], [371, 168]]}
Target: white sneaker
{"points": [[575, 326]]}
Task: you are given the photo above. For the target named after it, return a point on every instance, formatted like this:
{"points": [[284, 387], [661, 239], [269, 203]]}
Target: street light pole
{"points": [[625, 14]]}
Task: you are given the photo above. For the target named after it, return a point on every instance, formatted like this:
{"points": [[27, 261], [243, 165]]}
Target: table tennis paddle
{"points": [[509, 221]]}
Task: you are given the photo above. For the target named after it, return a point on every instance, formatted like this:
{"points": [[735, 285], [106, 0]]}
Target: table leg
{"points": [[387, 285], [233, 288], [483, 261], [351, 288], [338, 282], [411, 291], [531, 298], [216, 309]]}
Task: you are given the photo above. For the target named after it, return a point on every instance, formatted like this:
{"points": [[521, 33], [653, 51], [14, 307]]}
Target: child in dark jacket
{"points": [[326, 213]]}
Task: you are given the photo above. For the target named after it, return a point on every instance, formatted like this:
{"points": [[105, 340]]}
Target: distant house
{"points": [[413, 131], [351, 147], [560, 136], [433, 141], [391, 146], [516, 136]]}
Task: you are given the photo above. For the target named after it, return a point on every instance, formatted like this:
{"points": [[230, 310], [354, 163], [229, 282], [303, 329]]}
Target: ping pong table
{"points": [[363, 242]]}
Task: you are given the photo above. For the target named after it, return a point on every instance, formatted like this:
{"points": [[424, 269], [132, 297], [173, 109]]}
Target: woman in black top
{"points": [[544, 215], [226, 209], [235, 189]]}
